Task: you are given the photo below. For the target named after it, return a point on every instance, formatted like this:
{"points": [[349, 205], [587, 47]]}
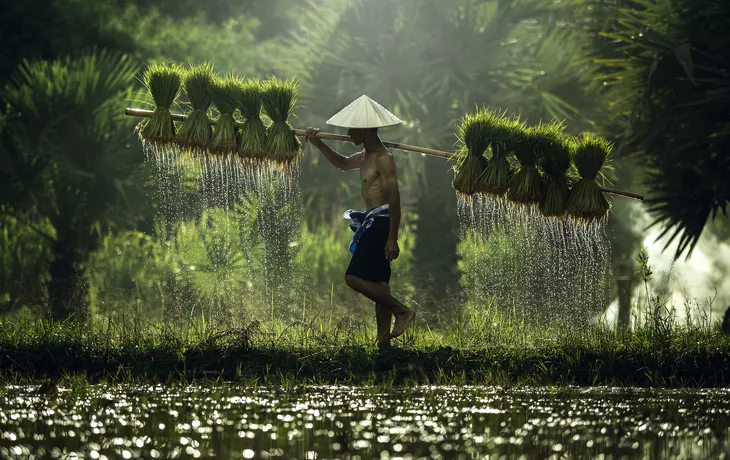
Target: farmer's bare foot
{"points": [[384, 344], [402, 320], [384, 339]]}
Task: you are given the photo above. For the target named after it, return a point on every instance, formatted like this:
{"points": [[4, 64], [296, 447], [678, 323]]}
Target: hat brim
{"points": [[364, 113], [363, 127]]}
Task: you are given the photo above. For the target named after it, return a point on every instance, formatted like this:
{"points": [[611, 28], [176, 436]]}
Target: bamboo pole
{"points": [[393, 145]]}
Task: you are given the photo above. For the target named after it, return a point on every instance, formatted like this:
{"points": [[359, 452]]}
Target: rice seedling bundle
{"points": [[252, 134], [225, 95], [526, 184], [278, 98], [163, 83], [587, 202], [473, 140], [195, 132], [502, 133], [556, 156], [468, 170]]}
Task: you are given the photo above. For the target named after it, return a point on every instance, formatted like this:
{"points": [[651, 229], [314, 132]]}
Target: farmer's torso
{"points": [[372, 185]]}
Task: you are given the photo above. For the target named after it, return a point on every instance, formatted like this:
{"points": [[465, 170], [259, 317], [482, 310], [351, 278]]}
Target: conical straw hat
{"points": [[364, 113]]}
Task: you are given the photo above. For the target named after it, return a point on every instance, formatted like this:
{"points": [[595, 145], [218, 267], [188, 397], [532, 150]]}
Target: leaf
{"points": [[684, 56]]}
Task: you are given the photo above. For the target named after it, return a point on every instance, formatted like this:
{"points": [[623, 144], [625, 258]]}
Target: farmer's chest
{"points": [[369, 173]]}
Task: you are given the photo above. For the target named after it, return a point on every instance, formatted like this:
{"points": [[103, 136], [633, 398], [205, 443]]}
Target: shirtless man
{"points": [[377, 243]]}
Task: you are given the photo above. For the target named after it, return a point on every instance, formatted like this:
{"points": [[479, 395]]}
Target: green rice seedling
{"points": [[278, 98], [526, 184], [467, 171], [557, 153], [475, 132], [592, 154], [252, 135], [163, 83], [195, 132], [473, 140], [496, 176], [225, 95]]}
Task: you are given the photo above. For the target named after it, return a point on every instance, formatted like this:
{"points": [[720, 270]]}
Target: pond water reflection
{"points": [[226, 421]]}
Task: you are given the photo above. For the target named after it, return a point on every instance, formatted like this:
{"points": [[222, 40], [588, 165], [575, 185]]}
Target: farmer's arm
{"points": [[386, 167], [337, 160]]}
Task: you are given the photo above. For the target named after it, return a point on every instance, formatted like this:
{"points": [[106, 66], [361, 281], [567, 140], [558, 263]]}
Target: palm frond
{"points": [[672, 85]]}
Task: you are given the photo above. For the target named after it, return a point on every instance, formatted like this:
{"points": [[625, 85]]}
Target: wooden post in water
{"points": [[623, 288]]}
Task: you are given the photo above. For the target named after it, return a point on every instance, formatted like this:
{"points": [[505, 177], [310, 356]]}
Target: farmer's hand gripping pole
{"points": [[393, 145]]}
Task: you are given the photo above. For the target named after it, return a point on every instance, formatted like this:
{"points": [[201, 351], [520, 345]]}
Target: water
{"points": [[169, 168], [244, 210], [363, 423], [542, 269]]}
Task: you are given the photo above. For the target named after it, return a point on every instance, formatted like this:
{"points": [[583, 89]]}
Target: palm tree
{"points": [[68, 160], [671, 88]]}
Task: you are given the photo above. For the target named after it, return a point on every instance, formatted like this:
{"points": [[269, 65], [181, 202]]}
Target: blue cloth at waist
{"points": [[362, 220]]}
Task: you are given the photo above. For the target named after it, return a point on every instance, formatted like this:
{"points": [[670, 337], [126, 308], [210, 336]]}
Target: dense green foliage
{"points": [[68, 169], [215, 267], [670, 85], [84, 219]]}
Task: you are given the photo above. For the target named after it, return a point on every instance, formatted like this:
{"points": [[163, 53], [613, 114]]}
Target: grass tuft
{"points": [[252, 135], [163, 83], [195, 132], [225, 95], [279, 97], [557, 154], [526, 184], [498, 172], [587, 202], [474, 133], [467, 171], [473, 140], [487, 347]]}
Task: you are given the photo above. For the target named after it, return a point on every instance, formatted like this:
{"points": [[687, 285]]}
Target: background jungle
{"points": [[82, 229]]}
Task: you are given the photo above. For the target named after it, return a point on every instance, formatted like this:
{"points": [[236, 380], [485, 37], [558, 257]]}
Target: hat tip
{"points": [[363, 113]]}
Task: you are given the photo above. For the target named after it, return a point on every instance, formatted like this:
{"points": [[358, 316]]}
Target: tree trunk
{"points": [[623, 285], [435, 254], [66, 289]]}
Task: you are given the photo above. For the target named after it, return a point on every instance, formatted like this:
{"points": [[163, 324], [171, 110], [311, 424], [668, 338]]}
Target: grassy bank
{"points": [[485, 349]]}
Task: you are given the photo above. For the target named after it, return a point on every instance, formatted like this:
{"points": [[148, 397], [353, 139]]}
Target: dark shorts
{"points": [[369, 262]]}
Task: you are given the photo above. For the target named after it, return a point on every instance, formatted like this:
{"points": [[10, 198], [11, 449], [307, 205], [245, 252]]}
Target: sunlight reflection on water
{"points": [[225, 421]]}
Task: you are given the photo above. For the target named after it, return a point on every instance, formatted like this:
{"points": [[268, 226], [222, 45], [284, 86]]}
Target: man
{"points": [[375, 242]]}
